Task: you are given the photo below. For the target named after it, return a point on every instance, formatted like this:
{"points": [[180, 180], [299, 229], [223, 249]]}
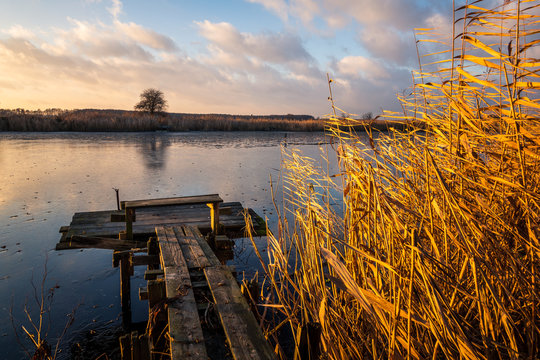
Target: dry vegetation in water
{"points": [[436, 252], [118, 120]]}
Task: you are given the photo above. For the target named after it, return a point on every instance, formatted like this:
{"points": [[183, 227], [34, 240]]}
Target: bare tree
{"points": [[367, 116], [152, 100]]}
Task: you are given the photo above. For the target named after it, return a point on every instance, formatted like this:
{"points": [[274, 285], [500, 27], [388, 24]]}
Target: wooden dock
{"points": [[100, 225], [187, 284]]}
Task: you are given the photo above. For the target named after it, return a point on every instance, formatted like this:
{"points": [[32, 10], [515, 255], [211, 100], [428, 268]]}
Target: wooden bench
{"points": [[130, 207]]}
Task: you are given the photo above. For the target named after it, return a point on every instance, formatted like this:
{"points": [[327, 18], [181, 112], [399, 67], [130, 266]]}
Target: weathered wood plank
{"points": [[185, 332], [182, 200], [145, 260], [245, 338], [194, 255], [152, 274], [81, 242], [208, 253]]}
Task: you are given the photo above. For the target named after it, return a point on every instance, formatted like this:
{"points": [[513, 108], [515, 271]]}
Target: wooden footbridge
{"points": [[196, 307]]}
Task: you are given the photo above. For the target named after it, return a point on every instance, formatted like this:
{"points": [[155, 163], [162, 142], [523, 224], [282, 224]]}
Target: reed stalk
{"points": [[436, 252]]}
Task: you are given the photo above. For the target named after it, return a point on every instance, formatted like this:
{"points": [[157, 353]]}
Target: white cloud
{"points": [[18, 31], [116, 8], [145, 36], [279, 7], [275, 48], [389, 44], [361, 66]]}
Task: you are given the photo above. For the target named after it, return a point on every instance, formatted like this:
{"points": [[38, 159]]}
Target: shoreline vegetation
{"points": [[436, 252], [93, 120]]}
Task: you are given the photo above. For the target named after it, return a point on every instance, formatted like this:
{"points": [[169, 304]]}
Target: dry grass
{"points": [[118, 120], [435, 253]]}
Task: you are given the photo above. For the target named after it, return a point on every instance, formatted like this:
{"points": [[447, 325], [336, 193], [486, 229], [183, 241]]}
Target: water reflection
{"points": [[154, 151]]}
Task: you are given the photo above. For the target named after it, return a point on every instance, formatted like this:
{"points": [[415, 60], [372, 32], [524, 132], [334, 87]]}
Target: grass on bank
{"points": [[436, 252], [117, 120]]}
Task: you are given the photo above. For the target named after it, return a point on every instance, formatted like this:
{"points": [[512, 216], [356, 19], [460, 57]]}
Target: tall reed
{"points": [[435, 253], [118, 120]]}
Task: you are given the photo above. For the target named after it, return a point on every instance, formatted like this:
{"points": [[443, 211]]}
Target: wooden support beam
{"points": [[126, 271], [130, 218], [152, 274], [135, 346], [156, 292], [145, 260], [143, 294], [222, 242], [118, 254], [153, 249], [125, 347], [118, 217], [83, 242], [214, 216], [144, 347]]}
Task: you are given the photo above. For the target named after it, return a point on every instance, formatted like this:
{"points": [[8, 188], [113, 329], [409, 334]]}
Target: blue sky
{"points": [[240, 56]]}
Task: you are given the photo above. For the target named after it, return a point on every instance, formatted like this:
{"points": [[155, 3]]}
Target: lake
{"points": [[47, 177]]}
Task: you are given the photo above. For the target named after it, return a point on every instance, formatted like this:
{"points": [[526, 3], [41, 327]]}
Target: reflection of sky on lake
{"points": [[46, 178]]}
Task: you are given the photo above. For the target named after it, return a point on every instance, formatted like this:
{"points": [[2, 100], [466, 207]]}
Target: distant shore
{"points": [[91, 120]]}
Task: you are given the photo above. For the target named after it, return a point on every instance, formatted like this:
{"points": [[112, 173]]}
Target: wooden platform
{"points": [[186, 282], [99, 224], [183, 252]]}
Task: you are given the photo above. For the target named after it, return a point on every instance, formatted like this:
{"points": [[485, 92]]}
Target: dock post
{"points": [[126, 270], [130, 218], [152, 249], [214, 216]]}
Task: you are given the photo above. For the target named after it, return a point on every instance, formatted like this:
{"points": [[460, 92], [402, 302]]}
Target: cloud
{"points": [[389, 44], [275, 48], [279, 7], [383, 27], [361, 66], [116, 8], [18, 31], [98, 41], [145, 36], [99, 64]]}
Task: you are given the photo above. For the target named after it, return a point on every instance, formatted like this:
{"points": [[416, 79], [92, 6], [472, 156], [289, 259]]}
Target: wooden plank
{"points": [[167, 252], [145, 260], [125, 347], [152, 274], [193, 254], [208, 252], [245, 338], [199, 199], [82, 242], [185, 332]]}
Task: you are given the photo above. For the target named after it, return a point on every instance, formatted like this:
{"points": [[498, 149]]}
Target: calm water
{"points": [[45, 178]]}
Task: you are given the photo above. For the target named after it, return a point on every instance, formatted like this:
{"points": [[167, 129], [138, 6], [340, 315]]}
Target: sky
{"points": [[212, 56]]}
